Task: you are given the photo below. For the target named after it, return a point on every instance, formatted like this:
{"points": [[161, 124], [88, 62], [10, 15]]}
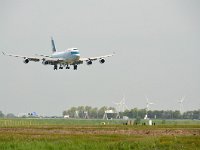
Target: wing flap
{"points": [[96, 58]]}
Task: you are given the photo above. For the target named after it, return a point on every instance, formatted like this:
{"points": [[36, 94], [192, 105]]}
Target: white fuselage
{"points": [[71, 55]]}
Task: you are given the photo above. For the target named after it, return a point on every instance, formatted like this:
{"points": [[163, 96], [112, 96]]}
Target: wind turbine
{"points": [[148, 103], [181, 103], [147, 107], [123, 104], [120, 106]]}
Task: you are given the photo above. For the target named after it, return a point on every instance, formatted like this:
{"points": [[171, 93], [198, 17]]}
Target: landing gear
{"points": [[67, 67], [61, 67], [75, 67], [55, 67]]}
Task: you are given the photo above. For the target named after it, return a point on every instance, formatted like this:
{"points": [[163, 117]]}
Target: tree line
{"points": [[93, 113], [9, 115], [98, 113]]}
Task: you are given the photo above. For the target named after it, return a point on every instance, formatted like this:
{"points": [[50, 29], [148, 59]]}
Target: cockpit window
{"points": [[74, 53]]}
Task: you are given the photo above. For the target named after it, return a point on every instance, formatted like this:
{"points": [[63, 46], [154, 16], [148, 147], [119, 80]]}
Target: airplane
{"points": [[65, 58]]}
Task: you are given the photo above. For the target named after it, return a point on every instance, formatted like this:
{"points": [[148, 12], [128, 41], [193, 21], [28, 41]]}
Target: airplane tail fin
{"points": [[53, 45]]}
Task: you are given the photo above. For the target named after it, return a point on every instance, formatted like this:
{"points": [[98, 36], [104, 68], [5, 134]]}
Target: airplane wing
{"points": [[48, 60], [96, 58], [43, 55], [45, 59], [36, 59]]}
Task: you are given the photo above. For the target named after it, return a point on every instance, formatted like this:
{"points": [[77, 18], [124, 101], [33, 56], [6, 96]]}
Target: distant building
{"points": [[66, 116]]}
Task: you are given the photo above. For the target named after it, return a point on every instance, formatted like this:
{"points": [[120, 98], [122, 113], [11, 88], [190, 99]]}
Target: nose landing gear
{"points": [[55, 67], [67, 67], [75, 67]]}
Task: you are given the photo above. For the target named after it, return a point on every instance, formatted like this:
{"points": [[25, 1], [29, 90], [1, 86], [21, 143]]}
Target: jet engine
{"points": [[89, 62], [44, 62], [26, 61], [102, 61]]}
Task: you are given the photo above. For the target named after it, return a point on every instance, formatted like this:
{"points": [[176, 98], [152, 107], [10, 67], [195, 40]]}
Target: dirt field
{"points": [[153, 131]]}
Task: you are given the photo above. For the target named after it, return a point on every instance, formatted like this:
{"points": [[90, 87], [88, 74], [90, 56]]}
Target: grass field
{"points": [[59, 121], [60, 134]]}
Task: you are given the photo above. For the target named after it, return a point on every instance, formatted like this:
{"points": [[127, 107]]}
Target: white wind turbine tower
{"points": [[120, 106], [148, 103], [123, 104], [147, 107], [181, 104]]}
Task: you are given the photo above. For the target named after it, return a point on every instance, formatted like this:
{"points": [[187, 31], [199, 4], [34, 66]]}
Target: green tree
{"points": [[81, 110], [102, 111], [65, 112], [94, 113], [10, 115], [176, 114], [196, 114], [88, 109], [134, 112], [142, 113], [1, 114], [71, 112]]}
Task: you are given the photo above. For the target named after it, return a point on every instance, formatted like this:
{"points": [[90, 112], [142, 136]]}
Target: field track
{"points": [[124, 130]]}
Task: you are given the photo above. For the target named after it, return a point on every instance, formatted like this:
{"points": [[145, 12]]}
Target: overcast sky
{"points": [[157, 46]]}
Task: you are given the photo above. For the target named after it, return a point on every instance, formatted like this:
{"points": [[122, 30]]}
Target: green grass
{"points": [[62, 134], [111, 142], [37, 121], [66, 122]]}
